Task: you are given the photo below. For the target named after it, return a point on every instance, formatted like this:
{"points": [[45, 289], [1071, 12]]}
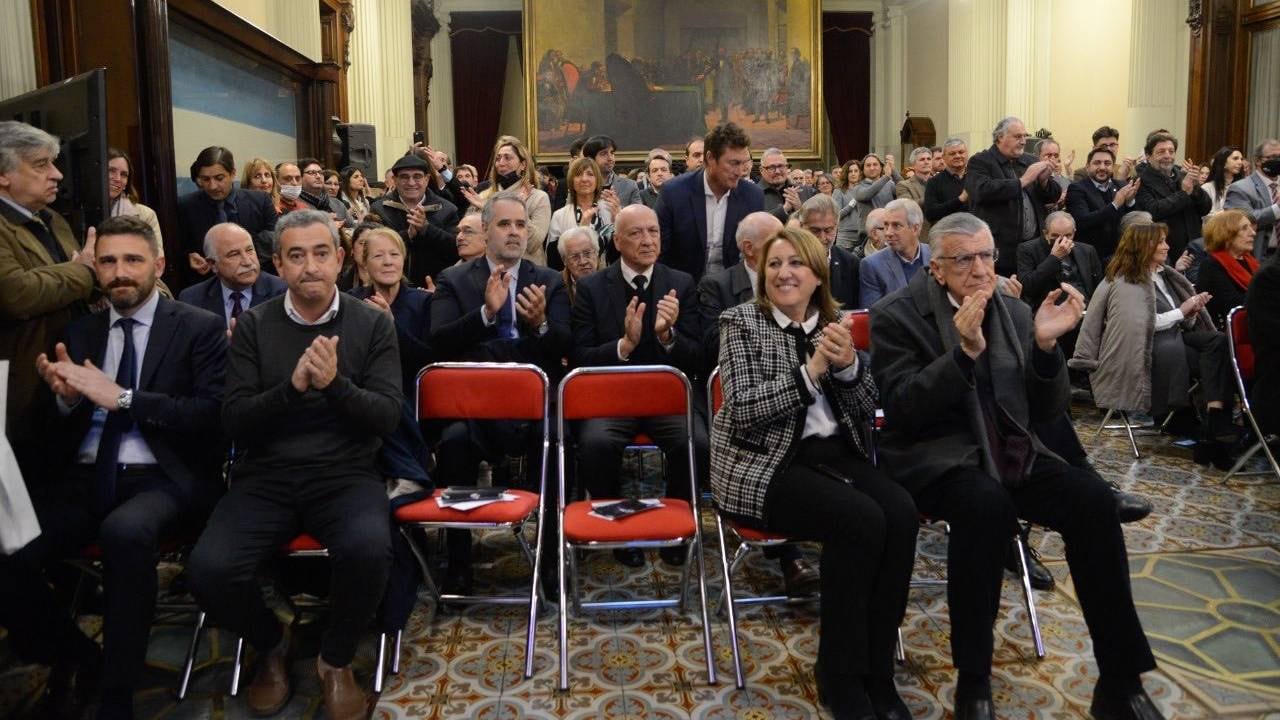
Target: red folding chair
{"points": [[485, 391], [637, 391], [1241, 349]]}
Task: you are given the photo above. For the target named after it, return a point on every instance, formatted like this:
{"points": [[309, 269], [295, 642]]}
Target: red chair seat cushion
{"points": [[303, 543], [427, 511], [750, 534], [673, 520]]}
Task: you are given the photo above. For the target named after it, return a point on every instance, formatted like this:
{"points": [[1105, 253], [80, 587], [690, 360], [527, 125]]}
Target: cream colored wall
{"points": [[380, 79], [1089, 73], [295, 23], [926, 62], [17, 56]]}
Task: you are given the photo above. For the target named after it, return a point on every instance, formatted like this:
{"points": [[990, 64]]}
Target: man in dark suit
{"points": [[1263, 303], [945, 193], [217, 201], [1097, 202], [1045, 263], [427, 222], [1171, 194], [1259, 196], [781, 196], [819, 216], [138, 391], [963, 373], [1009, 189], [498, 307], [635, 312], [238, 282], [315, 195], [699, 211]]}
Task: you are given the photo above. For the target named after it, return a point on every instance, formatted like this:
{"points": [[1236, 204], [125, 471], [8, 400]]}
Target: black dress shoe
{"points": [[1208, 452], [843, 695], [975, 709], [885, 699], [1130, 507], [800, 578], [631, 557], [1041, 578], [674, 556], [1132, 706]]}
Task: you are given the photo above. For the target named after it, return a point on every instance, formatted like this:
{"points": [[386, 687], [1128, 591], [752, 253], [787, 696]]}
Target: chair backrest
{"points": [[860, 328], [637, 391], [482, 391], [1238, 340]]}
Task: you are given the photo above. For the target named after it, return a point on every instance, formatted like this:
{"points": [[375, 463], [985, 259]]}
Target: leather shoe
{"points": [[631, 557], [885, 699], [1131, 507], [270, 690], [844, 696], [1211, 452], [343, 698], [980, 708], [673, 556], [1041, 578], [799, 577], [1132, 706]]}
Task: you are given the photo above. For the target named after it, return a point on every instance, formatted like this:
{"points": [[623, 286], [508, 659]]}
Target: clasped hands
{"points": [[1052, 320], [71, 382], [317, 366], [664, 323], [531, 302], [832, 351]]}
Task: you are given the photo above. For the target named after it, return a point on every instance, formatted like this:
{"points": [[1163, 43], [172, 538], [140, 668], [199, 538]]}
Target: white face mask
{"points": [[290, 192]]}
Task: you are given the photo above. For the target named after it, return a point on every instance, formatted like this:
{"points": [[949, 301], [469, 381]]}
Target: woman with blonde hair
{"points": [[582, 208], [1229, 267], [258, 175], [512, 169]]}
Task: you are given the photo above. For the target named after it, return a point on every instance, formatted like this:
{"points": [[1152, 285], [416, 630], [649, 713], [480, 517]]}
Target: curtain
{"points": [[1264, 101], [479, 52], [846, 81]]}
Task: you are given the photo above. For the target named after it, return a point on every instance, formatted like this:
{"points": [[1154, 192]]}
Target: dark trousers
{"points": [[983, 516], [347, 513], [601, 442], [1210, 363], [40, 625], [868, 535]]}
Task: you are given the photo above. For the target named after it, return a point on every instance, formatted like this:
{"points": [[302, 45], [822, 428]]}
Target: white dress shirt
{"points": [[716, 212], [25, 213], [629, 276], [328, 315], [133, 447], [820, 418], [514, 272], [1168, 318], [228, 303]]}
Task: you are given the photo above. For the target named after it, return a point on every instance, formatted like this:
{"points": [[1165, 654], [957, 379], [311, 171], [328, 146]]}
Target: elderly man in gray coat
{"points": [[1259, 195], [963, 375]]}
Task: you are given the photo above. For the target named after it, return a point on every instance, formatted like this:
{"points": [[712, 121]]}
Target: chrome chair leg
{"points": [[380, 669], [1128, 429], [900, 650], [726, 604], [395, 659], [1025, 577], [189, 664], [236, 667]]}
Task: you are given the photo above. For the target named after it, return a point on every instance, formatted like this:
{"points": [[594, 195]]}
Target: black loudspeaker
{"points": [[359, 145]]}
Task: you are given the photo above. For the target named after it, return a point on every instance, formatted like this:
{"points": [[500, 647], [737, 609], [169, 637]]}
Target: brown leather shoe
{"points": [[800, 578], [270, 690], [343, 698]]}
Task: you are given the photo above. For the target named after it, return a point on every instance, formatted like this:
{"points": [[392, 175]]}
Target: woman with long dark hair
{"points": [[122, 195], [1226, 168]]}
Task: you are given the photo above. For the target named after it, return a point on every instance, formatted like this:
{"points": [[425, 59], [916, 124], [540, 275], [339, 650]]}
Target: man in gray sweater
{"points": [[313, 382]]}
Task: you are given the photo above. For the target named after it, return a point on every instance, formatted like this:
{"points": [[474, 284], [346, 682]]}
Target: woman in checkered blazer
{"points": [[788, 456]]}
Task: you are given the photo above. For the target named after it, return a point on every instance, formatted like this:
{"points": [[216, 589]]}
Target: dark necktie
{"points": [[38, 225], [114, 428], [222, 211], [237, 304], [804, 348], [1110, 193], [507, 318], [640, 282]]}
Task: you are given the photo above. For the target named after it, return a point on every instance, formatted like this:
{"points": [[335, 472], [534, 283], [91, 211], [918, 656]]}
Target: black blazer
{"points": [[458, 331], [599, 309], [997, 199], [682, 214], [1097, 219], [1040, 271], [178, 402], [435, 247], [412, 312], [207, 294], [1213, 279], [846, 286], [1162, 196], [197, 213], [1263, 303], [718, 292]]}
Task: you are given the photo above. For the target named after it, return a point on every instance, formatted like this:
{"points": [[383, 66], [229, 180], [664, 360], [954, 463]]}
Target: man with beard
{"points": [[623, 189], [138, 391], [1009, 190], [238, 282], [1097, 202], [315, 195], [1171, 194], [658, 169], [427, 222]]}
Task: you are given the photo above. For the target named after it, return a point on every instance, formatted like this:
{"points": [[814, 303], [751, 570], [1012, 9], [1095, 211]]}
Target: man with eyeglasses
{"points": [[964, 373], [699, 211], [885, 272], [426, 221], [783, 194], [315, 196]]}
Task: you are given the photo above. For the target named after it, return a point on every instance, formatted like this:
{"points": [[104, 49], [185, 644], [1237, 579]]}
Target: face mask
{"points": [[1271, 168], [508, 179], [290, 192]]}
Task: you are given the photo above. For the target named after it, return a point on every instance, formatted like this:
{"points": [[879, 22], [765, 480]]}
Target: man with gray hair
{"points": [[913, 188], [1259, 195], [945, 194], [964, 372], [1046, 262], [47, 276], [819, 216], [1009, 190], [875, 235], [313, 383], [888, 271], [782, 194], [238, 282]]}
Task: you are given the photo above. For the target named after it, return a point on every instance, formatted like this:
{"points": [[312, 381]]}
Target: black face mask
{"points": [[1271, 168], [506, 180]]}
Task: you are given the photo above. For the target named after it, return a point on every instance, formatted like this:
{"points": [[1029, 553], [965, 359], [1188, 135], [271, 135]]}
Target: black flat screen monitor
{"points": [[74, 111]]}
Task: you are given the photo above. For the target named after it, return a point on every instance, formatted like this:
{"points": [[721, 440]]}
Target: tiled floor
{"points": [[1205, 568]]}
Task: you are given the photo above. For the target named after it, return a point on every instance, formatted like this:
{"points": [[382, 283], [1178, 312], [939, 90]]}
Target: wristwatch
{"points": [[125, 401], [543, 328]]}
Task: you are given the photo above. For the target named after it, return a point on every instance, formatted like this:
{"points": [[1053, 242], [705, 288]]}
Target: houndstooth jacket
{"points": [[754, 436]]}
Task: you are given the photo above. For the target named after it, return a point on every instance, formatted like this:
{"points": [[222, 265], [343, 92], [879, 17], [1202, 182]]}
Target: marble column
{"points": [[888, 80], [1158, 51], [17, 56], [1026, 61], [440, 127], [380, 80]]}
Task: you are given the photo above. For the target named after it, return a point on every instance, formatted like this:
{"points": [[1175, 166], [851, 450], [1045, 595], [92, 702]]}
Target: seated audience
{"points": [[238, 282], [354, 274], [1151, 328], [48, 277], [585, 207], [217, 201], [512, 169], [1230, 265], [945, 192], [315, 191], [1009, 190], [353, 192], [1097, 202], [333, 184], [290, 179], [426, 222], [471, 237], [818, 216], [579, 251], [886, 272], [939, 161], [1171, 194], [913, 187], [1263, 303], [788, 455], [948, 344], [658, 172], [467, 175], [875, 236], [877, 188], [1226, 168], [313, 383], [620, 189], [138, 451], [850, 233], [1044, 263], [1051, 152], [259, 175], [824, 184], [635, 312], [1259, 195], [123, 197], [783, 195]]}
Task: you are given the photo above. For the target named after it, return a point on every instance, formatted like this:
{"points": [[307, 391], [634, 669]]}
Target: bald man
{"points": [[238, 282]]}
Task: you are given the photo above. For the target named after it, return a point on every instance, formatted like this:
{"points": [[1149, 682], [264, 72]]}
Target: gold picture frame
{"points": [[656, 73]]}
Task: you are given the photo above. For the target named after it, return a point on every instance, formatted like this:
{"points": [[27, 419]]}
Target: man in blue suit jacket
{"points": [[719, 195], [238, 282], [893, 268], [218, 201]]}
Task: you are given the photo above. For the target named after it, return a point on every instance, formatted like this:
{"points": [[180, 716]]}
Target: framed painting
{"points": [[656, 73]]}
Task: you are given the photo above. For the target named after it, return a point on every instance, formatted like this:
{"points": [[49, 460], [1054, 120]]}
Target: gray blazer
{"points": [[881, 274], [1251, 195], [873, 194], [849, 232]]}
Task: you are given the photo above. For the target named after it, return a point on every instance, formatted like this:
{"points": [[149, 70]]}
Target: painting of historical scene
{"points": [[653, 73]]}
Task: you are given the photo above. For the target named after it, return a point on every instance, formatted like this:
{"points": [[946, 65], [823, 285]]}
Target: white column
{"points": [[440, 128], [1026, 62], [380, 80], [895, 96], [17, 56], [1158, 50], [977, 73], [296, 23]]}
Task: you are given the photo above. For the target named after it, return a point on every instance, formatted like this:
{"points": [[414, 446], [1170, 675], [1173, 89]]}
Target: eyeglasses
{"points": [[775, 168], [965, 261], [584, 256], [312, 172]]}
